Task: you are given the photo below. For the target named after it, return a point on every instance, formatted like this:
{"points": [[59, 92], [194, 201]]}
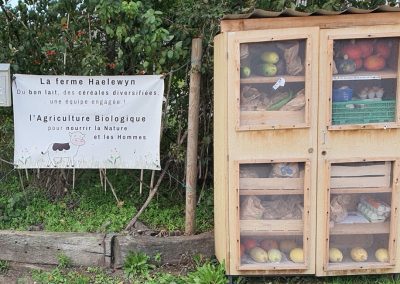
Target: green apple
{"points": [[270, 57], [245, 71], [269, 69]]}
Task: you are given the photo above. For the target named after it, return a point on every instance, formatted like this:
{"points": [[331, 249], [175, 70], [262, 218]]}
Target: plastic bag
{"points": [[285, 170], [297, 103], [292, 58], [251, 208]]}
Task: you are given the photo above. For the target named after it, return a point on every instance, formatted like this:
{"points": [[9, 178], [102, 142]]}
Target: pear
{"points": [[268, 69], [245, 71], [270, 57]]}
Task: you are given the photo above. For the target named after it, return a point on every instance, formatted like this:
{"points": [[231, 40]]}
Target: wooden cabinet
{"points": [[306, 145]]}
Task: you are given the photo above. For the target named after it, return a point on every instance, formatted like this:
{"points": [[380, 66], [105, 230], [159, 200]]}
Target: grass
{"points": [[90, 208]]}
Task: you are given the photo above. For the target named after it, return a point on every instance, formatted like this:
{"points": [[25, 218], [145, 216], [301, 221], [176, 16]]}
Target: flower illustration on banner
{"points": [[114, 157], [24, 157]]}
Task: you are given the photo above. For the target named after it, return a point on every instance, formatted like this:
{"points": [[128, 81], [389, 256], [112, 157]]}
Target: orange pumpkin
{"points": [[374, 63], [383, 48]]}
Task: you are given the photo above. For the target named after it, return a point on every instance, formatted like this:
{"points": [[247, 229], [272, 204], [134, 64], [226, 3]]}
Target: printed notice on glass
{"points": [[87, 121]]}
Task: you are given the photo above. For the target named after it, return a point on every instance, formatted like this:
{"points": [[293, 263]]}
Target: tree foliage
{"points": [[110, 37]]}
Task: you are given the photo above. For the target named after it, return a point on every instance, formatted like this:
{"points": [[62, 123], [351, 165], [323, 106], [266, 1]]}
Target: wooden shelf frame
{"points": [[264, 228], [249, 121], [255, 79], [350, 33], [389, 227]]}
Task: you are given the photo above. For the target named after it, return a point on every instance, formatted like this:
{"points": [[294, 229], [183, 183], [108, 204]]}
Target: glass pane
{"points": [[271, 214], [364, 81], [272, 83], [360, 207]]}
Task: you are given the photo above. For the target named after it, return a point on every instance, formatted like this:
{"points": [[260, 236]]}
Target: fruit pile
{"points": [[358, 254], [367, 54], [269, 250], [271, 59]]}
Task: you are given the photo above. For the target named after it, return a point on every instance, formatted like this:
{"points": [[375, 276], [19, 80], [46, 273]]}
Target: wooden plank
{"points": [[84, 249], [221, 151], [360, 229], [271, 80], [171, 248], [272, 226], [384, 74], [271, 192], [358, 265], [287, 265], [351, 182], [324, 22], [383, 169], [358, 190], [277, 119], [271, 183]]}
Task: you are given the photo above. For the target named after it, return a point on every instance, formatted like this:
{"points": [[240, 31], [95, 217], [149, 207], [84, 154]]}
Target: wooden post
{"points": [[193, 126]]}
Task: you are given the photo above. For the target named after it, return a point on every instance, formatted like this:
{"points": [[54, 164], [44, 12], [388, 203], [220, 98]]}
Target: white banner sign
{"points": [[87, 121]]}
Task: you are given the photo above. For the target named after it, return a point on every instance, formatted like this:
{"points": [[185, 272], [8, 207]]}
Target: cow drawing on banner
{"points": [[57, 152]]}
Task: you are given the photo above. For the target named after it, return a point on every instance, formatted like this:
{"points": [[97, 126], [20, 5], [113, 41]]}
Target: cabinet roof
{"points": [[259, 13]]}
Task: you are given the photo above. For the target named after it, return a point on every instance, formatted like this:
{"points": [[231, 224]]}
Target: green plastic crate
{"points": [[363, 111]]}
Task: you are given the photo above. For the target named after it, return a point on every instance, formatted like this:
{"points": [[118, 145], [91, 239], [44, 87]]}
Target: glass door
{"points": [[271, 121], [358, 150], [274, 215]]}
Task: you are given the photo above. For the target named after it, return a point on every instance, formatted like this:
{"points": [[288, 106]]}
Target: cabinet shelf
{"points": [[271, 192], [361, 190], [366, 75], [271, 183], [360, 229], [271, 80], [286, 265], [271, 227], [351, 265]]}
